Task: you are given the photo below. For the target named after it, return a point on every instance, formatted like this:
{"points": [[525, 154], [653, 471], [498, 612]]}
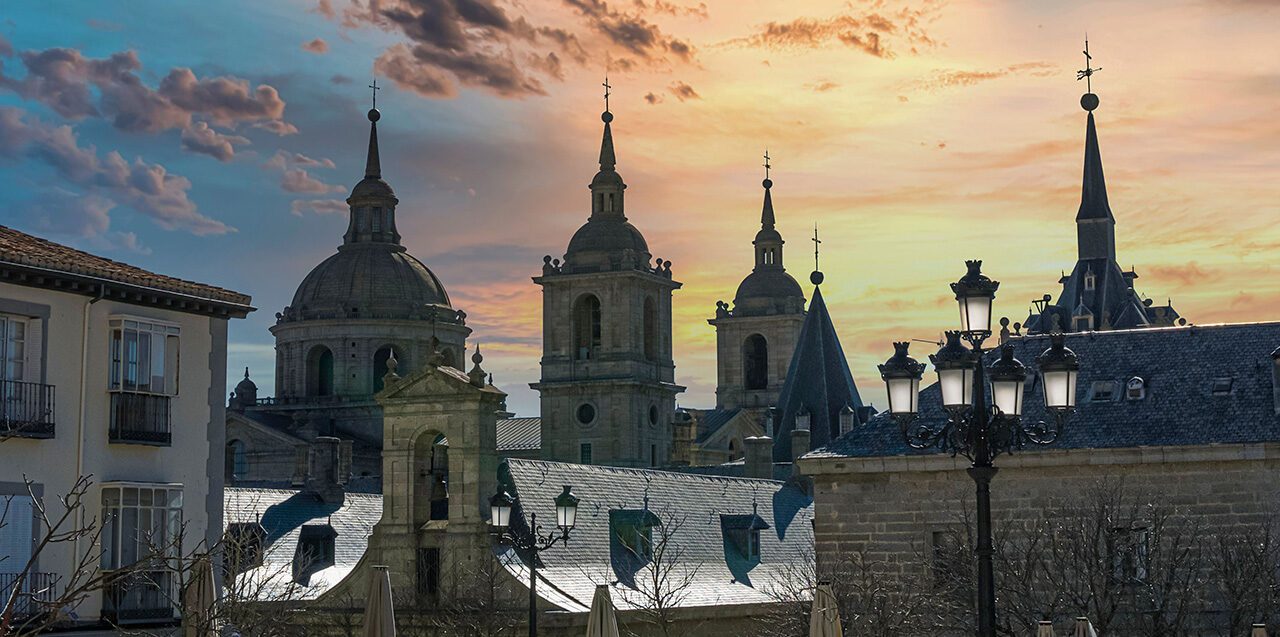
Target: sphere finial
{"points": [[1089, 101], [606, 117], [816, 277], [374, 115]]}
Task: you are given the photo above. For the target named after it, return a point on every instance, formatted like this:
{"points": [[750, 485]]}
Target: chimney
{"points": [[799, 443], [327, 468], [759, 458], [1275, 379]]}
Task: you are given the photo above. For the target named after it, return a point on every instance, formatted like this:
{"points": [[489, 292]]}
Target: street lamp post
{"points": [[534, 541], [979, 428]]}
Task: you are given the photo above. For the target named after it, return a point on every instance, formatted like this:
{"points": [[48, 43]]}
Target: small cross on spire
{"points": [[375, 88], [766, 163], [606, 86], [1087, 72], [816, 242]]}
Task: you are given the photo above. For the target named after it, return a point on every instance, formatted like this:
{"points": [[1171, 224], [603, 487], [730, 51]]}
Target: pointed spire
{"points": [[1093, 194], [766, 213], [607, 158], [372, 165]]}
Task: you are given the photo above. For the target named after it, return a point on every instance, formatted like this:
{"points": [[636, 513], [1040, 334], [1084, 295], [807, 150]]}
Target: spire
{"points": [[372, 165], [372, 201], [1093, 195], [607, 186], [766, 213]]}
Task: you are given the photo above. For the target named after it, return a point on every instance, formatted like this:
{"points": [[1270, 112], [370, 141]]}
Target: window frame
{"points": [[119, 365]]}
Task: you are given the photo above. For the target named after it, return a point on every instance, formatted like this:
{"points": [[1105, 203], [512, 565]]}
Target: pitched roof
{"points": [[519, 434], [718, 575], [1177, 365], [282, 514], [818, 380], [28, 251]]}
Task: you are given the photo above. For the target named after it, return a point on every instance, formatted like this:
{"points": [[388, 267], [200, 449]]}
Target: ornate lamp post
{"points": [[533, 542], [977, 428]]}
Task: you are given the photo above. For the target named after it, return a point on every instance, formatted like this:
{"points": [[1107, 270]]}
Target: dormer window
{"points": [[1102, 391], [631, 531], [742, 534], [1222, 385], [315, 551], [243, 546], [1083, 323], [1090, 282], [803, 419], [848, 419], [1135, 389]]}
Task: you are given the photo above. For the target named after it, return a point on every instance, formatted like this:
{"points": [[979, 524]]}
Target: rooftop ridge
{"points": [[642, 471]]}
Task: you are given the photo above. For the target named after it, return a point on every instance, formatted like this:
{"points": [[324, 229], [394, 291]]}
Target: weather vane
{"points": [[375, 88], [606, 92], [766, 163], [1087, 73]]}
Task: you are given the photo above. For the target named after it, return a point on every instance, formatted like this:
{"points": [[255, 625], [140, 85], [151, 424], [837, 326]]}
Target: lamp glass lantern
{"points": [[1059, 372], [955, 366], [974, 294], [1008, 381], [901, 375], [500, 510], [566, 509]]}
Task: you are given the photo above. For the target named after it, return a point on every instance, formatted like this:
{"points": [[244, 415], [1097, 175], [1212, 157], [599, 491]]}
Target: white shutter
{"points": [[35, 350], [15, 537]]}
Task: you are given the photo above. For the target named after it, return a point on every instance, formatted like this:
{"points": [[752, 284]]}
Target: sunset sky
{"points": [[216, 141]]}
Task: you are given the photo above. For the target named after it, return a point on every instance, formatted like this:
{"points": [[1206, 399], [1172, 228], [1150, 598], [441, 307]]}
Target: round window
{"points": [[653, 414], [586, 413]]}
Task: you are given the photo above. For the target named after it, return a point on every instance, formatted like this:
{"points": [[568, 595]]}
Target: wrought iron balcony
{"points": [[140, 418], [26, 409], [139, 596], [35, 594]]}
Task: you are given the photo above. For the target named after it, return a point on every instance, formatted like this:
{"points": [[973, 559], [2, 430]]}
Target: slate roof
{"points": [[818, 379], [22, 249], [710, 421], [1178, 366], [717, 573], [519, 434], [282, 514]]}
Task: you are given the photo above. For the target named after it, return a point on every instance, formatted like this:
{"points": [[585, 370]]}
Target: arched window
{"points": [[237, 463], [380, 359], [431, 477], [650, 330], [320, 371], [755, 362], [586, 327]]}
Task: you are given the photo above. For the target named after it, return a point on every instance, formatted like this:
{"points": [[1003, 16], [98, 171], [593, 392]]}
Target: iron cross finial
{"points": [[375, 88], [606, 86], [816, 242], [1087, 72], [766, 163]]}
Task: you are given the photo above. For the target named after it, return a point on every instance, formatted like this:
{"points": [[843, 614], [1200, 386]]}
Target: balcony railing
{"points": [[35, 594], [140, 418], [26, 409], [139, 596]]}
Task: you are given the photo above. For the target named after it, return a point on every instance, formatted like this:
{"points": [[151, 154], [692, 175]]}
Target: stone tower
{"points": [[368, 302], [608, 380], [757, 336]]}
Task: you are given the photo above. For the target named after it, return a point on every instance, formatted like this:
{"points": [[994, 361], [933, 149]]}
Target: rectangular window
{"points": [[753, 543], [584, 453], [144, 357], [376, 217], [653, 455], [1222, 385], [13, 347], [1129, 558], [428, 580], [1102, 391], [141, 532]]}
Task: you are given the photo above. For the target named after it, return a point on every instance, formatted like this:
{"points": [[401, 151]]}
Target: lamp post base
{"points": [[986, 573]]}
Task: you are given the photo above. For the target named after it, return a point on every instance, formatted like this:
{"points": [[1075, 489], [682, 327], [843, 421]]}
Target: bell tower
{"points": [[608, 379]]}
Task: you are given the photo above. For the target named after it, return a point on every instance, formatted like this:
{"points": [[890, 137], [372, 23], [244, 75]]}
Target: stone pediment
{"points": [[434, 381]]}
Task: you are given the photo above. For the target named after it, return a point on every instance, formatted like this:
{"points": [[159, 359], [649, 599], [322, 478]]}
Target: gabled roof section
{"points": [[690, 509], [818, 380], [1177, 365], [30, 260]]}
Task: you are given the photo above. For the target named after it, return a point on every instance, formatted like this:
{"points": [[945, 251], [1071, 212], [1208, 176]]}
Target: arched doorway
{"points": [[586, 327], [755, 363]]}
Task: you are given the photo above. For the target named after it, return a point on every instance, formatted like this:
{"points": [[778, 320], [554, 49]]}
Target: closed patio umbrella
{"points": [[198, 600], [1084, 628], [824, 620], [1259, 630], [603, 620], [379, 612], [1045, 629]]}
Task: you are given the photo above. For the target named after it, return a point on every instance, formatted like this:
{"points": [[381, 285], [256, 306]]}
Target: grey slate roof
{"points": [[282, 514], [818, 380], [711, 420], [718, 575], [1178, 366], [519, 434]]}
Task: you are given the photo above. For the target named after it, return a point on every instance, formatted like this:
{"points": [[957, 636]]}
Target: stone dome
{"points": [[372, 187], [770, 283], [374, 280], [606, 235]]}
